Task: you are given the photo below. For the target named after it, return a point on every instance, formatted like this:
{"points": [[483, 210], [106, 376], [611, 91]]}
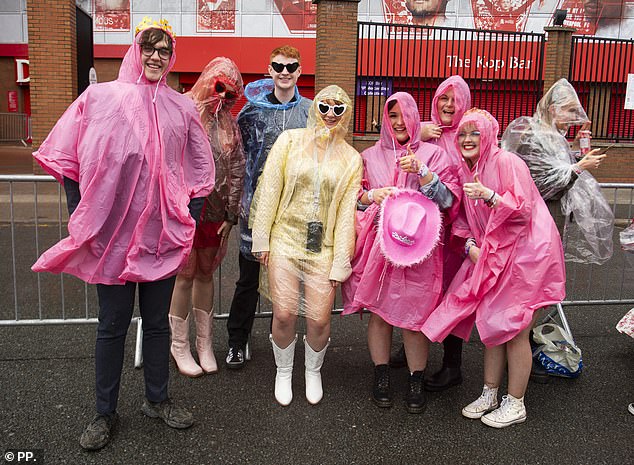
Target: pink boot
{"points": [[204, 346], [180, 347]]}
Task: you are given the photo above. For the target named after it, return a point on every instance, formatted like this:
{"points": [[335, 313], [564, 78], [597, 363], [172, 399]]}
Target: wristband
{"points": [[423, 171], [577, 169], [470, 243], [371, 195], [493, 201]]}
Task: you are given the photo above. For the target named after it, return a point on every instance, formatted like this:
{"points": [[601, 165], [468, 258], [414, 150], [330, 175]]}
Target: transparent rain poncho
{"points": [[215, 93], [261, 122], [224, 136], [540, 141], [303, 212]]}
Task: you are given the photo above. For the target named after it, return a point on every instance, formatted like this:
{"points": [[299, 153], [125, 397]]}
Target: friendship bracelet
{"points": [[490, 198], [470, 243], [423, 171], [493, 201]]}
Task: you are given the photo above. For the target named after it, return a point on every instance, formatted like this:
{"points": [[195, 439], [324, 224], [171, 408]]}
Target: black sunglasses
{"points": [[279, 67], [163, 53], [220, 87], [337, 110]]}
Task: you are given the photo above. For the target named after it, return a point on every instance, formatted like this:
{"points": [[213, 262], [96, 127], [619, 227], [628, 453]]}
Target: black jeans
{"points": [[244, 303], [116, 304]]}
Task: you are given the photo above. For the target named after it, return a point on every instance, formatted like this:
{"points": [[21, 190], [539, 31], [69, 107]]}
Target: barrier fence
{"points": [[503, 69], [598, 71], [15, 127], [34, 217]]}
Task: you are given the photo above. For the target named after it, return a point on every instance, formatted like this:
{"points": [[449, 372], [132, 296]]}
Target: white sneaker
{"points": [[511, 411], [487, 402], [630, 408]]}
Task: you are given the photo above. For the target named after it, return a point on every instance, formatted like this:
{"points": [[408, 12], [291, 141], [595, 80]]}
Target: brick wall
{"points": [[53, 62], [336, 48], [557, 51]]}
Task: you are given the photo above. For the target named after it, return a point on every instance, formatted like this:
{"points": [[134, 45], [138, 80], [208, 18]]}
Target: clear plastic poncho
{"points": [[224, 136], [303, 212], [261, 122], [540, 141]]}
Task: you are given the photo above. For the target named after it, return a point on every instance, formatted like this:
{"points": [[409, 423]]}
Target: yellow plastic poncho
{"points": [[311, 175]]}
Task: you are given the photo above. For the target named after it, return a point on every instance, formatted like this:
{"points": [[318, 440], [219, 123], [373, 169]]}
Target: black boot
{"points": [[415, 399], [381, 392], [398, 359], [450, 374]]}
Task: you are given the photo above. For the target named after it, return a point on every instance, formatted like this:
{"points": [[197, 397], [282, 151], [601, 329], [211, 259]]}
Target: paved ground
{"points": [[16, 159], [46, 382]]}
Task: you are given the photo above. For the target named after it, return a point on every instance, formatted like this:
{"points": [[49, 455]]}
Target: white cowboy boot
{"points": [[284, 362], [204, 344], [313, 361]]}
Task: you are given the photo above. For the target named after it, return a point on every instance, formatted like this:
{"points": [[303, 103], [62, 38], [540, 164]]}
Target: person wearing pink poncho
{"points": [[134, 158], [515, 266], [451, 100], [393, 293]]}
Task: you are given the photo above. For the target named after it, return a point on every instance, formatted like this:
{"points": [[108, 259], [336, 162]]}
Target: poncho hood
{"points": [[411, 118], [462, 100], [560, 104], [489, 129], [316, 122], [256, 93], [131, 69], [208, 101]]}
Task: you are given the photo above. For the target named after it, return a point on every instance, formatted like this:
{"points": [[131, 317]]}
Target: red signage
{"points": [[472, 59], [299, 15], [112, 15], [216, 16], [12, 98]]}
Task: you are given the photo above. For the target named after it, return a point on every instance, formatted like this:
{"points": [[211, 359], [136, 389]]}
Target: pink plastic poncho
{"points": [[462, 102], [223, 204], [403, 297], [139, 152], [521, 265]]}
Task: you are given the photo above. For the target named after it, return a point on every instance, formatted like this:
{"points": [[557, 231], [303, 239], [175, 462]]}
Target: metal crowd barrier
{"points": [[33, 217], [15, 127]]}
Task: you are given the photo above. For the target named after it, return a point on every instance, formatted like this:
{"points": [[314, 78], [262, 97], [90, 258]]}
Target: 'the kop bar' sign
{"points": [[472, 59]]}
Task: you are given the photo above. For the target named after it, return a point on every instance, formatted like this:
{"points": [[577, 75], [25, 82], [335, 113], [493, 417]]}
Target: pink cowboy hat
{"points": [[409, 227]]}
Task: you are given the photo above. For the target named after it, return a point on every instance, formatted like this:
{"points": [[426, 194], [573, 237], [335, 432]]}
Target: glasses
{"points": [[337, 110], [220, 88], [462, 135], [163, 53], [279, 67]]}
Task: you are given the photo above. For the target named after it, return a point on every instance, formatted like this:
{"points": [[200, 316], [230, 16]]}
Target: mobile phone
{"points": [[314, 234], [605, 149]]}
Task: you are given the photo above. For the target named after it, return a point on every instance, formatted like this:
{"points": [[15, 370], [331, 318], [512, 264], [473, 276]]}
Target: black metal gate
{"points": [[599, 70], [503, 69]]}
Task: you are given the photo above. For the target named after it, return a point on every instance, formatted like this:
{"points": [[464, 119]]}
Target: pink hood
{"points": [[139, 152], [462, 99]]}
